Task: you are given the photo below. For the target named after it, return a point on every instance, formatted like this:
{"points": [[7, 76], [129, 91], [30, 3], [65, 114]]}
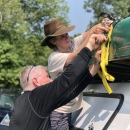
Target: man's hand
{"points": [[95, 41], [95, 66], [97, 56]]}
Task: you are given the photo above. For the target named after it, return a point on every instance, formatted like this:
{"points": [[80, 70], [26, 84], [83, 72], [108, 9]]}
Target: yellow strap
{"points": [[106, 85], [104, 62]]}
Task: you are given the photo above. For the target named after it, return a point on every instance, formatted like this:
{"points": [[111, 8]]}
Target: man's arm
{"points": [[63, 89], [46, 98]]}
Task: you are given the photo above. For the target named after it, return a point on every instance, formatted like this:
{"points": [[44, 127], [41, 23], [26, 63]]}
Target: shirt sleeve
{"points": [[76, 42], [56, 62]]}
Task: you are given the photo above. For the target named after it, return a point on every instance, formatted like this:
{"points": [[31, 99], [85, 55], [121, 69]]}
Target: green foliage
{"points": [[31, 52], [9, 66], [12, 26], [40, 11], [119, 8], [21, 33]]}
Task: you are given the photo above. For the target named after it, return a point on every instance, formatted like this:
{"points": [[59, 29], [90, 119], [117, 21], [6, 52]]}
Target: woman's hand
{"points": [[99, 29], [106, 22], [102, 27]]}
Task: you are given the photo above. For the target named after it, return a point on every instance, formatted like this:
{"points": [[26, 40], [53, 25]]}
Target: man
{"points": [[41, 95]]}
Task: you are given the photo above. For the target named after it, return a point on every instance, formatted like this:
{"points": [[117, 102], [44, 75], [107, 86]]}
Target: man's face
{"points": [[43, 78]]}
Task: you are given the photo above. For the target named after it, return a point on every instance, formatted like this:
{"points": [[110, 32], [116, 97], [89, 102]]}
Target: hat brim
{"points": [[58, 33]]}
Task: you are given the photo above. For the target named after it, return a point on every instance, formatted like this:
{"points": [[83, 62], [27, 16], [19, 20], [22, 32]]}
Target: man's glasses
{"points": [[30, 71]]}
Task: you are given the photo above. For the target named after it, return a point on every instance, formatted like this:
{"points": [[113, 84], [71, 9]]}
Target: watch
{"points": [[98, 62]]}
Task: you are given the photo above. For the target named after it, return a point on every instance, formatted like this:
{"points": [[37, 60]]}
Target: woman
{"points": [[64, 51]]}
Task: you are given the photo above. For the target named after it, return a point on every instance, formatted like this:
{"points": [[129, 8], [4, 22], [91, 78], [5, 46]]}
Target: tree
{"points": [[21, 32], [12, 24], [40, 11], [37, 13], [9, 66], [119, 8]]}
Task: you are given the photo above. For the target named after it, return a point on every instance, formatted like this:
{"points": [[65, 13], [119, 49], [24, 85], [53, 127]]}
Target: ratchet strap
{"points": [[104, 62]]}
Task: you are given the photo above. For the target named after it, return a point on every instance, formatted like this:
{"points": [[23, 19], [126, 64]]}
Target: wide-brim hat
{"points": [[55, 28]]}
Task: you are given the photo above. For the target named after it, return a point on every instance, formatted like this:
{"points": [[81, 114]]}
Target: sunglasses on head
{"points": [[33, 65]]}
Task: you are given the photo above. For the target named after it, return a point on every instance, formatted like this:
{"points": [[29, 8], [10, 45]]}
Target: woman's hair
{"points": [[50, 45]]}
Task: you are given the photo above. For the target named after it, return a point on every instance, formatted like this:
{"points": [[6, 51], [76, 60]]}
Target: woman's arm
{"points": [[97, 29]]}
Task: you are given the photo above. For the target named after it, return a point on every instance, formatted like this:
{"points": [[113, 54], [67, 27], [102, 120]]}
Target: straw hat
{"points": [[55, 28]]}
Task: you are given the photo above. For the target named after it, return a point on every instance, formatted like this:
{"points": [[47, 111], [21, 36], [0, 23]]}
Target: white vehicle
{"points": [[103, 111]]}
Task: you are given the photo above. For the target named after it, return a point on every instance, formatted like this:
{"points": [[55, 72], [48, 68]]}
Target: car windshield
{"points": [[7, 98]]}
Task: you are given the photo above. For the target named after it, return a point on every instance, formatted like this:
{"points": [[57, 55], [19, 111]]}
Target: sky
{"points": [[78, 16]]}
